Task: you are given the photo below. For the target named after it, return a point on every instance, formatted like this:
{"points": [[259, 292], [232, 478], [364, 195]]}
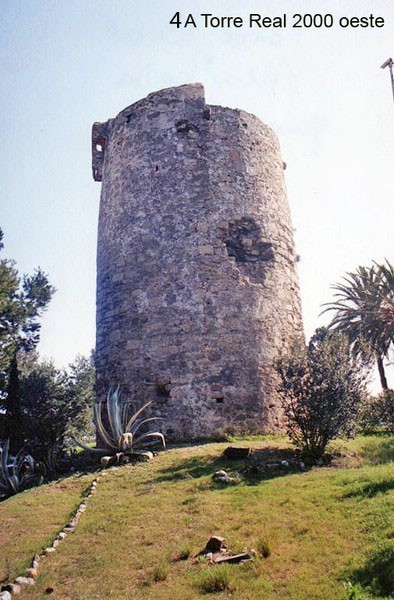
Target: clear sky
{"points": [[67, 63]]}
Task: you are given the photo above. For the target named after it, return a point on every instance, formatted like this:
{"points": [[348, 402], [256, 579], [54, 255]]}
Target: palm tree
{"points": [[364, 310]]}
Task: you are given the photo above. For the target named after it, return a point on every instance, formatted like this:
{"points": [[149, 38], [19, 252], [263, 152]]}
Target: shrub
{"points": [[378, 413], [322, 386]]}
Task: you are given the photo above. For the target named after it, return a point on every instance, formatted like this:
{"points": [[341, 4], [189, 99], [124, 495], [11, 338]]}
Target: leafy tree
{"points": [[364, 310], [46, 410], [81, 388], [377, 413], [22, 302], [12, 419], [55, 403], [322, 386]]}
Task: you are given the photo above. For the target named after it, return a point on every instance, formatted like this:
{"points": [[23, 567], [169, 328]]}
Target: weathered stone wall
{"points": [[197, 290]]}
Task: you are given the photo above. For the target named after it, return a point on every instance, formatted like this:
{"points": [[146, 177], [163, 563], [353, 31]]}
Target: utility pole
{"points": [[389, 63]]}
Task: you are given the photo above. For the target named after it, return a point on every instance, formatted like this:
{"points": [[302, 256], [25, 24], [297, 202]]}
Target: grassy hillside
{"points": [[322, 528]]}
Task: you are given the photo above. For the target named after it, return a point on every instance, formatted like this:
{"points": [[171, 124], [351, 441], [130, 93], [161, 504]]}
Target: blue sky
{"points": [[68, 63]]}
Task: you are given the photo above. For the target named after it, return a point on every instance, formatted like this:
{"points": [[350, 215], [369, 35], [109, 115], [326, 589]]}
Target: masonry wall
{"points": [[197, 290]]}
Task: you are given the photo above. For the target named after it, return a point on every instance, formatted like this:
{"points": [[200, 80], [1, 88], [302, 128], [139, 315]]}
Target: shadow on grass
{"points": [[369, 489], [192, 468], [377, 574], [264, 464], [270, 463]]}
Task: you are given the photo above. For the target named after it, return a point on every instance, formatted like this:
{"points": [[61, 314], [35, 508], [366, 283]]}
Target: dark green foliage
{"points": [[9, 313], [13, 425], [48, 407], [377, 413], [40, 404], [322, 386], [81, 389], [55, 404], [22, 302]]}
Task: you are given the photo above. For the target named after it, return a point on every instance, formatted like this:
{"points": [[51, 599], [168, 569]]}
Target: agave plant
{"points": [[118, 430], [16, 473]]}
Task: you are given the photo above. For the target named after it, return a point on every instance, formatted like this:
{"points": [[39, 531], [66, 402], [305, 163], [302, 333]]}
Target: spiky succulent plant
{"points": [[119, 428], [16, 473]]}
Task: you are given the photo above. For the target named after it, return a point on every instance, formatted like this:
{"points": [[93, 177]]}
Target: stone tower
{"points": [[197, 291]]}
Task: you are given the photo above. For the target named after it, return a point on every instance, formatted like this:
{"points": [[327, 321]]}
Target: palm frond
{"points": [[364, 309]]}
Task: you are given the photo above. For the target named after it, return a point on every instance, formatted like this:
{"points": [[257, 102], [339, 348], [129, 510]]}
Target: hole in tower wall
{"points": [[185, 126], [129, 117], [99, 148], [244, 242], [163, 390], [217, 395]]}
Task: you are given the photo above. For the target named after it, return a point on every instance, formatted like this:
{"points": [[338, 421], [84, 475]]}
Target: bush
{"points": [[378, 413], [52, 404], [322, 386]]}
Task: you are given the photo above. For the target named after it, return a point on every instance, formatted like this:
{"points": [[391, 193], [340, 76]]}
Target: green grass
{"points": [[263, 547], [329, 531], [214, 579], [30, 520]]}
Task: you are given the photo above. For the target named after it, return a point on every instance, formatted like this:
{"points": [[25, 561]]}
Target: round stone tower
{"points": [[197, 291]]}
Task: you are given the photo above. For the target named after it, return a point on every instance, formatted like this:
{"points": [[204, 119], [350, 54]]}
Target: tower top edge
{"points": [[187, 89], [190, 92]]}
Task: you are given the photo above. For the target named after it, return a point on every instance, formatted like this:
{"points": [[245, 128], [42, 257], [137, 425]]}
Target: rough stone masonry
{"points": [[197, 290]]}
